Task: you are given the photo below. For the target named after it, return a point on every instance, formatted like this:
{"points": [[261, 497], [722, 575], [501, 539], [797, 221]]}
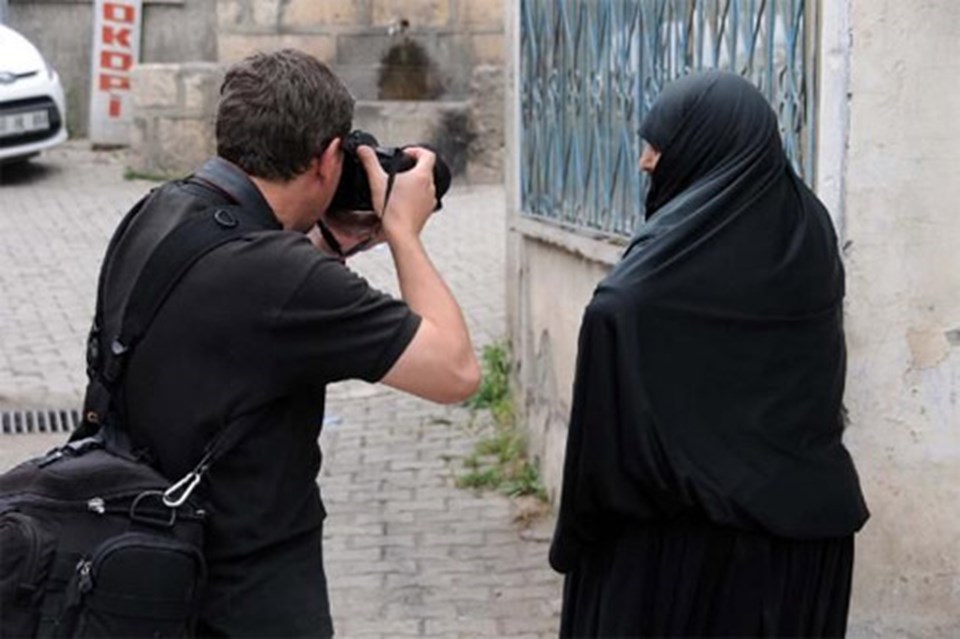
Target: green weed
{"points": [[499, 462], [487, 478]]}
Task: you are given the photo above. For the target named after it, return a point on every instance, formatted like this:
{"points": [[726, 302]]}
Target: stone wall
{"points": [[458, 35], [175, 111], [174, 106], [463, 41], [468, 133]]}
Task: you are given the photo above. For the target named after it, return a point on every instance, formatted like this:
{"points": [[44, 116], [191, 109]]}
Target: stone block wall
{"points": [[398, 122], [462, 39], [175, 106], [486, 155], [458, 35]]}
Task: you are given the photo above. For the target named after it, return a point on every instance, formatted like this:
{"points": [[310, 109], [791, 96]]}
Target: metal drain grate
{"points": [[26, 422]]}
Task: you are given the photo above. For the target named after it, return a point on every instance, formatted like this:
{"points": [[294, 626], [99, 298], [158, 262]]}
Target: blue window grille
{"points": [[590, 70]]}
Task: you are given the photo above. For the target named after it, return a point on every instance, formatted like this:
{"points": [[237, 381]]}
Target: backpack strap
{"points": [[166, 266], [164, 269], [97, 397], [232, 214], [93, 338], [225, 188]]}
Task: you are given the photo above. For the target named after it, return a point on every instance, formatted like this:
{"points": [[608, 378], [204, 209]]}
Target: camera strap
{"points": [[391, 176], [392, 169], [334, 244]]}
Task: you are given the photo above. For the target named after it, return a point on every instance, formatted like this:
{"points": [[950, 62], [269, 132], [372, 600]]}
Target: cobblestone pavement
{"points": [[407, 553]]}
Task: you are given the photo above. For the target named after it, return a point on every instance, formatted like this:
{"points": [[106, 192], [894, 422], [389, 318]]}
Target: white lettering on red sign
{"points": [[116, 56]]}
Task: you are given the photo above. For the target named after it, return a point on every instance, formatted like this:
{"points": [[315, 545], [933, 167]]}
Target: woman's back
{"points": [[711, 360]]}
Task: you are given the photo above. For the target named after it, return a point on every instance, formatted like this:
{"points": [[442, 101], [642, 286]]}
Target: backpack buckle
{"points": [[115, 363], [145, 516], [180, 492]]}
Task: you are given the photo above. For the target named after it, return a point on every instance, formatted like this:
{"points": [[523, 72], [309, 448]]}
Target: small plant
{"points": [[525, 482], [506, 445], [487, 478], [500, 462], [494, 393]]}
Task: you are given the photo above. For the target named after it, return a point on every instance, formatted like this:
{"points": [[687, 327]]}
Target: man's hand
{"points": [[412, 198], [439, 364]]}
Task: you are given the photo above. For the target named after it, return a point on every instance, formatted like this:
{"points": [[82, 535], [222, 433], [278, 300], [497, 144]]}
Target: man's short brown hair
{"points": [[279, 110]]}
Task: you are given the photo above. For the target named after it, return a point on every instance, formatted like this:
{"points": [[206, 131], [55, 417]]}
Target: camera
{"points": [[353, 192]]}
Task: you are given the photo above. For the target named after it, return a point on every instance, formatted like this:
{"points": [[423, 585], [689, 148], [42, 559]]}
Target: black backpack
{"points": [[90, 549], [94, 542]]}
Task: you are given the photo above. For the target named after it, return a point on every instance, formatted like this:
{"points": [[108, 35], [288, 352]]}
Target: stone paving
{"points": [[407, 553]]}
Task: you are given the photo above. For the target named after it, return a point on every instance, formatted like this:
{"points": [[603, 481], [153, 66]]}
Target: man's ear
{"points": [[329, 160]]}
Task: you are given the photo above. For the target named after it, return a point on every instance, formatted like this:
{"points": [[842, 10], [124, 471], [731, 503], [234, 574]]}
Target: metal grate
{"points": [[589, 71], [27, 422]]}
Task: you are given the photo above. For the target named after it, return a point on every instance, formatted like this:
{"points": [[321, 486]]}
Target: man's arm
{"points": [[439, 363]]}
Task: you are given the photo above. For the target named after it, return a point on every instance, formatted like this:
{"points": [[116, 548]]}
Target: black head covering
{"points": [[710, 127], [711, 360]]}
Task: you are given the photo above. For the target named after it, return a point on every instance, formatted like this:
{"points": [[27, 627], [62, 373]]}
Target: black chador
{"points": [[706, 488]]}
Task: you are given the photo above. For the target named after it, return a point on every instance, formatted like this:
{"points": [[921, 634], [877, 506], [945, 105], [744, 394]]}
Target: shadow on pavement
{"points": [[26, 172]]}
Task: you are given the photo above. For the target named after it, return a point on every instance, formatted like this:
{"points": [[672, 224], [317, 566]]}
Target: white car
{"points": [[32, 113]]}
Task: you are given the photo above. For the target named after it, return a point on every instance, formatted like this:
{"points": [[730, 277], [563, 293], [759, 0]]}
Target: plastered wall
{"points": [[902, 238], [889, 170]]}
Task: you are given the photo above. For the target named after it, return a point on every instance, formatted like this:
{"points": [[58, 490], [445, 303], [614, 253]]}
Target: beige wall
{"points": [[888, 164], [902, 227], [552, 275]]}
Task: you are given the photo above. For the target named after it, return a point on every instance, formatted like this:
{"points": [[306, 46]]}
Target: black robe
{"points": [[707, 413]]}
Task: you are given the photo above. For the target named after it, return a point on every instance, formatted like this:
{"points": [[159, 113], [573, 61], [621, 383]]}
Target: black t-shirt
{"points": [[254, 331]]}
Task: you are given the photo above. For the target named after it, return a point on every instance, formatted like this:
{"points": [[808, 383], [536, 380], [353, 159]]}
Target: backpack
{"points": [[94, 542], [89, 548]]}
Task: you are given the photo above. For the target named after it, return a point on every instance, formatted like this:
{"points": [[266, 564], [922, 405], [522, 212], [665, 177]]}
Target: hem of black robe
{"points": [[704, 580]]}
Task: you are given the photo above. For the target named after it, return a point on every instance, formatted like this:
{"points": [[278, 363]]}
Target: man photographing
{"points": [[258, 327]]}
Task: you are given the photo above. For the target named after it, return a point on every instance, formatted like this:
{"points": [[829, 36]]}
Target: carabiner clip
{"points": [[186, 485]]}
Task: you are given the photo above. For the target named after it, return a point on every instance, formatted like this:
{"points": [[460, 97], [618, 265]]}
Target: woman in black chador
{"points": [[706, 490]]}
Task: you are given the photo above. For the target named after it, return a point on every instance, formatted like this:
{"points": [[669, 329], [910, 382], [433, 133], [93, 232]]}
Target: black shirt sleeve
{"points": [[334, 326]]}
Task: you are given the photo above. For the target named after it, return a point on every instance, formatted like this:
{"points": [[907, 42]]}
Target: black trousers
{"points": [[701, 580], [280, 593]]}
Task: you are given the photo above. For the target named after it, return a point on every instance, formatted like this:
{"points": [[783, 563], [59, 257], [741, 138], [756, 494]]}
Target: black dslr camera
{"points": [[353, 192]]}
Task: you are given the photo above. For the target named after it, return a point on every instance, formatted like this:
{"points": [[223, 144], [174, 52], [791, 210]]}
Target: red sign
{"points": [[116, 48]]}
